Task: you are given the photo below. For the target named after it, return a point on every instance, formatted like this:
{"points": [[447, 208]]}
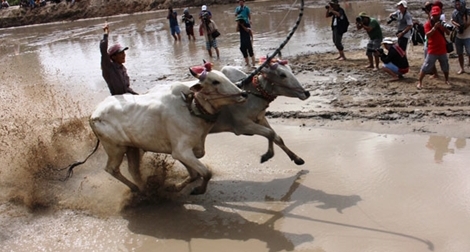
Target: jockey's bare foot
{"points": [[337, 58], [341, 58], [434, 76], [419, 86], [461, 71], [448, 83], [369, 66]]}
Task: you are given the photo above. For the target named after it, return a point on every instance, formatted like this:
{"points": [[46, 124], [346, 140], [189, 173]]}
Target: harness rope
{"points": [[278, 50]]}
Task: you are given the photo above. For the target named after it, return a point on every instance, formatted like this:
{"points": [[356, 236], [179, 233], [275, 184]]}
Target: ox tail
{"points": [[70, 167], [278, 50]]}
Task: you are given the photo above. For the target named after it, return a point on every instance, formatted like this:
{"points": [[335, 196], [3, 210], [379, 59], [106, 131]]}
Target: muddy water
{"points": [[357, 191]]}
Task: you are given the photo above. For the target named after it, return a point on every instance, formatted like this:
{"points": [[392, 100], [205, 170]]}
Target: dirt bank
{"points": [[15, 16]]}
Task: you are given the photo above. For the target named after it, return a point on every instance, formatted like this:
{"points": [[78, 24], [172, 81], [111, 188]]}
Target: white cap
{"points": [[204, 8], [403, 2], [388, 40]]}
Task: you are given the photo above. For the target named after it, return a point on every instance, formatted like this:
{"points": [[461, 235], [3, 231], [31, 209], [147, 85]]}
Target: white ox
{"points": [[164, 122], [276, 79]]}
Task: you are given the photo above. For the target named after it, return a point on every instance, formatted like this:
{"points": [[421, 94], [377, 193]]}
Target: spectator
{"points": [[4, 4], [188, 20], [205, 11], [246, 41], [405, 23], [372, 27], [242, 11], [174, 27], [435, 33], [207, 27], [339, 25], [461, 21], [32, 4], [206, 14], [395, 62], [113, 70], [427, 10]]}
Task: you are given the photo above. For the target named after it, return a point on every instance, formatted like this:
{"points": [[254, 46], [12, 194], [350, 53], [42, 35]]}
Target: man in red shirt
{"points": [[435, 33]]}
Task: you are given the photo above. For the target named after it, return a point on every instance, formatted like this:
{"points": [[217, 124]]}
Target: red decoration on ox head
{"points": [[274, 62], [200, 72]]}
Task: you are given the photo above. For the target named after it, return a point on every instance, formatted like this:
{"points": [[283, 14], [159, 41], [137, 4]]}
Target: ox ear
{"points": [[196, 87]]}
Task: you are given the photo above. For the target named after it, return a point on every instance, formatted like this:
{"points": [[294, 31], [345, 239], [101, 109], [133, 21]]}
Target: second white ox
{"points": [[276, 79], [164, 122]]}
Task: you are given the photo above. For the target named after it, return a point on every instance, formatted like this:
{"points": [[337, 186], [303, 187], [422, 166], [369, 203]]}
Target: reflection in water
{"points": [[440, 145]]}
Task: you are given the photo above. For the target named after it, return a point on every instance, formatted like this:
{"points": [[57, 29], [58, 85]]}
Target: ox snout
{"points": [[242, 97], [307, 94], [303, 96]]}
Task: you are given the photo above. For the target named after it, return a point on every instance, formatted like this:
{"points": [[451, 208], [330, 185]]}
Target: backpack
{"points": [[343, 23], [346, 23]]}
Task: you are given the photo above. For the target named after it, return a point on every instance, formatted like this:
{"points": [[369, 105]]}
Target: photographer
{"points": [[461, 21], [435, 33], [243, 12], [405, 23], [207, 27], [372, 27], [339, 25], [395, 62], [188, 21]]}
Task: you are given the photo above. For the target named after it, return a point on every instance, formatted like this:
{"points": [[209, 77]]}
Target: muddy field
{"points": [[366, 100]]}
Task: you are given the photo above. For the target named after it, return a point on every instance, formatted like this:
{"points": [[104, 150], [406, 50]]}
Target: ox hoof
{"points": [[198, 191], [265, 158], [299, 161]]}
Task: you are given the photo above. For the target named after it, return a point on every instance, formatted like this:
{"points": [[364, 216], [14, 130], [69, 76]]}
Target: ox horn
{"points": [[278, 50]]}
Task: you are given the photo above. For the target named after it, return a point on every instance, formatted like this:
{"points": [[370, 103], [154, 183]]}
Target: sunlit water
{"points": [[51, 81]]}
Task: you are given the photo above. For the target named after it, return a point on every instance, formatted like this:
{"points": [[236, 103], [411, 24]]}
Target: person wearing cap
{"points": [[395, 62], [205, 12], [435, 33], [372, 27], [112, 68], [427, 9], [405, 23], [243, 12], [189, 22], [246, 41], [174, 27], [461, 21], [339, 25], [207, 27]]}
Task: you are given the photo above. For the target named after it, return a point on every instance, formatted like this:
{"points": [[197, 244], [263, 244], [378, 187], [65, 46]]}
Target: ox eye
{"points": [[216, 82], [283, 75]]}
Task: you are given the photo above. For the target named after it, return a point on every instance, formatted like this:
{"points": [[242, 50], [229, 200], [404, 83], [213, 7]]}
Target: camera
{"points": [[392, 18], [327, 7], [359, 20], [450, 27], [205, 15], [380, 51]]}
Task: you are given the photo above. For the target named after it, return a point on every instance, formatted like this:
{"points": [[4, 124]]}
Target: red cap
{"points": [[117, 48], [438, 3]]}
